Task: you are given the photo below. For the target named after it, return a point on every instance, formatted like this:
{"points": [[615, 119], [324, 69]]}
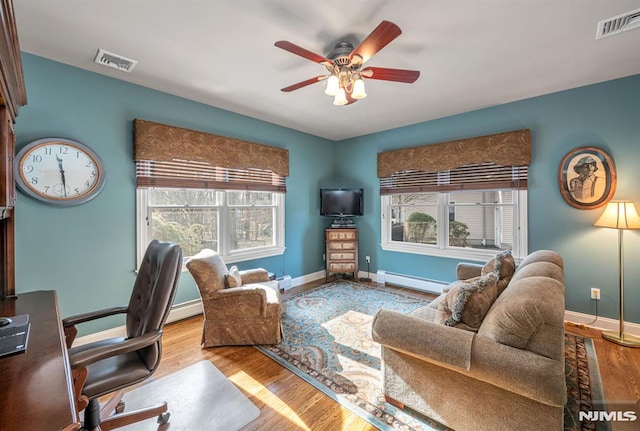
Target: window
{"points": [[463, 199], [471, 224], [239, 225], [207, 191]]}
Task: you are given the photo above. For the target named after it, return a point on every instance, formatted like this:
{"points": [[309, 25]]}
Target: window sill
{"points": [[451, 253], [242, 256]]}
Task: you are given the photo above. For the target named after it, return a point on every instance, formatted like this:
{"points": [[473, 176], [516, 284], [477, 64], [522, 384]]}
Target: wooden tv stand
{"points": [[341, 251]]}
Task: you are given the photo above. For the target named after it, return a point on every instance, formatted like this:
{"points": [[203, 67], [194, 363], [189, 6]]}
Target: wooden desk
{"points": [[36, 391]]}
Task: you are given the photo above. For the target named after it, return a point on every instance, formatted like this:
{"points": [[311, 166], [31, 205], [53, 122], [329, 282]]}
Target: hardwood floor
{"points": [[289, 403]]}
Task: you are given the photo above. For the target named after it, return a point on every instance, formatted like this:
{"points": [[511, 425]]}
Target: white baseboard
{"points": [[602, 323], [180, 312], [193, 308]]}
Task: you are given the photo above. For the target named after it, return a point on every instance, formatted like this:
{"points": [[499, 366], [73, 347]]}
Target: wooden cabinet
{"points": [[341, 252], [12, 96]]}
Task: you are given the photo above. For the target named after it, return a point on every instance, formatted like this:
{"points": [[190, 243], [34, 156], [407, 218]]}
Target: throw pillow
{"points": [[504, 266], [233, 277], [466, 303]]}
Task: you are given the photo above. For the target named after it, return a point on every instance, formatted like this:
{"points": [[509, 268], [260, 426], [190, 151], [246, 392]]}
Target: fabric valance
{"points": [[503, 149], [168, 156], [159, 142]]}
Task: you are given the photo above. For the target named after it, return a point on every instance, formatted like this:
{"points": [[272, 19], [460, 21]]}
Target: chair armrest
{"points": [[423, 339], [87, 357], [465, 271], [225, 302], [93, 315], [520, 371], [254, 275]]}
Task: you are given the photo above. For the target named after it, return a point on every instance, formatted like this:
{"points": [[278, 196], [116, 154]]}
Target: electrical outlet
{"points": [[368, 259], [595, 293]]}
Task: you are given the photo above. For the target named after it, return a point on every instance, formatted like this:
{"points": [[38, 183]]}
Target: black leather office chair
{"points": [[110, 365]]}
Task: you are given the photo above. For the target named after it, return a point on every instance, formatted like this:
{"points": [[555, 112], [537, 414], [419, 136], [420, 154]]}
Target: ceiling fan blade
{"points": [[380, 37], [386, 74], [304, 83], [295, 49]]}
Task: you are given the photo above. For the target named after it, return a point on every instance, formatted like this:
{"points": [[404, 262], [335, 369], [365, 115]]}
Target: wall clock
{"points": [[59, 171]]}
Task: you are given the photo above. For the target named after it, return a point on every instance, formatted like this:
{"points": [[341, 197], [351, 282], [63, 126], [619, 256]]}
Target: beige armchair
{"points": [[240, 307]]}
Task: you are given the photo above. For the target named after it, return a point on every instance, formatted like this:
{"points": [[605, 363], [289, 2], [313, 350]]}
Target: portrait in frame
{"points": [[587, 178]]}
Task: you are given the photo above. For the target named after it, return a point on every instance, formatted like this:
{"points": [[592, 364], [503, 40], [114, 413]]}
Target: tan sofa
{"points": [[509, 375], [240, 307]]}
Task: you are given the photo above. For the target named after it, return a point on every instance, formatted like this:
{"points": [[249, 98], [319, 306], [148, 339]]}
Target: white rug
{"points": [[200, 397]]}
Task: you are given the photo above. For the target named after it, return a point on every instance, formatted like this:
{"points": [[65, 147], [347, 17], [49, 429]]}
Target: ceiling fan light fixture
{"points": [[333, 85], [358, 89], [341, 98]]}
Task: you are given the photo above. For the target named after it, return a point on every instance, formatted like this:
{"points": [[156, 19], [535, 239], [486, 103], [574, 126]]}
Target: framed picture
{"points": [[587, 178]]}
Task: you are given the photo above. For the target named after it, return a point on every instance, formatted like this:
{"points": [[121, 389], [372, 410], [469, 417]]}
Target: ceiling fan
{"points": [[345, 65]]}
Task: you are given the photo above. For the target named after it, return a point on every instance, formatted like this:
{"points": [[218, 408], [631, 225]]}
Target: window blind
{"points": [[168, 156], [485, 176], [498, 161]]}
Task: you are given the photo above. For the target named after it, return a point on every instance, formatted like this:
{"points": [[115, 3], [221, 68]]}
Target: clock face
{"points": [[59, 171]]}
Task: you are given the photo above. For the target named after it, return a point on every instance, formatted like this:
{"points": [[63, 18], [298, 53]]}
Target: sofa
{"points": [[240, 307], [498, 366]]}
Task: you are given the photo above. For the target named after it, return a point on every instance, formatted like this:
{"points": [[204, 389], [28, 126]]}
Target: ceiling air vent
{"points": [[113, 60], [618, 24]]}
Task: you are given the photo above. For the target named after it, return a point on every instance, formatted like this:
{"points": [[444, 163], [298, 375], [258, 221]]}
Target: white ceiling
{"points": [[471, 53]]}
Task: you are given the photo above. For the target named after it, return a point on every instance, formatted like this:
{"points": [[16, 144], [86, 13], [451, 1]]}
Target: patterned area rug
{"points": [[327, 342]]}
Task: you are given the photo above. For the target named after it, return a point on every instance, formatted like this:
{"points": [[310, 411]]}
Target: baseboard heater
{"points": [[418, 283], [284, 282]]}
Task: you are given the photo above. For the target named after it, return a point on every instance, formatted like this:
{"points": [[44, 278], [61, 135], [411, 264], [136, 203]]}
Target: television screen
{"points": [[341, 202]]}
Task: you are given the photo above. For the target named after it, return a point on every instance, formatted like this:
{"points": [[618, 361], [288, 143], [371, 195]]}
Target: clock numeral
{"points": [[64, 150], [34, 180], [36, 158], [77, 190], [28, 168], [87, 183], [92, 174], [89, 164], [46, 189], [47, 151]]}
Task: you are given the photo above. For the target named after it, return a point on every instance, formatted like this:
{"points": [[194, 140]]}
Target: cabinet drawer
{"points": [[341, 235], [342, 245], [342, 256], [339, 266]]}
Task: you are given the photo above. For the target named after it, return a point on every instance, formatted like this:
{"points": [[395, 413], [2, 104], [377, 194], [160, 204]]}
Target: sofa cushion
{"points": [[466, 303], [504, 266], [233, 277], [530, 313]]}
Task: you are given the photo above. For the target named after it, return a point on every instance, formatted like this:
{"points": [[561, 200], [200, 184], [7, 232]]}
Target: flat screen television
{"points": [[341, 202]]}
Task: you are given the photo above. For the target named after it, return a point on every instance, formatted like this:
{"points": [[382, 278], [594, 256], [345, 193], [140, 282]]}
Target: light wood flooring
{"points": [[289, 403]]}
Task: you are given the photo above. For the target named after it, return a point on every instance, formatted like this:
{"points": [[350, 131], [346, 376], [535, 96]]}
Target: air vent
{"points": [[618, 24], [113, 60]]}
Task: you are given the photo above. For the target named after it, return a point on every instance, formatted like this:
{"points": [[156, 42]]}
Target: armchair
{"points": [[111, 365], [240, 308]]}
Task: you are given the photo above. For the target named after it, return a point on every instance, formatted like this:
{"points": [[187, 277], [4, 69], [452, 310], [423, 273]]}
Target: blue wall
{"points": [[605, 115], [87, 253]]}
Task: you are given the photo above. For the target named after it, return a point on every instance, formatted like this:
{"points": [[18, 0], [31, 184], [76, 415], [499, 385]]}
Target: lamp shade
{"points": [[358, 89], [619, 215], [341, 98], [333, 85]]}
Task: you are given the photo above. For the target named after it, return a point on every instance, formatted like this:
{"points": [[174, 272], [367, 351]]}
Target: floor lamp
{"points": [[620, 215]]}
